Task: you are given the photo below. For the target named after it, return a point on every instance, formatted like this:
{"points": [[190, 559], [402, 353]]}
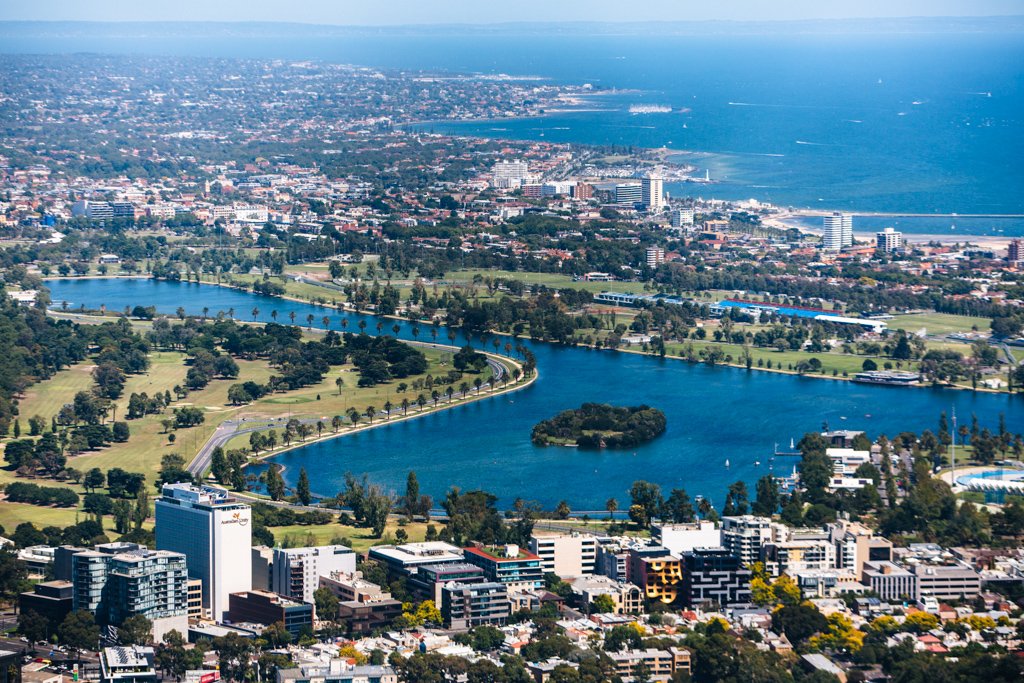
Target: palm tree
{"points": [[433, 333], [405, 406], [336, 423], [344, 323], [319, 428], [339, 382], [516, 374], [380, 327], [508, 349], [309, 321], [451, 336], [611, 505], [255, 313], [478, 383], [421, 401], [362, 326], [463, 388], [370, 412], [387, 409], [396, 328], [448, 392], [291, 316], [206, 311], [180, 312], [273, 316], [415, 332], [231, 312], [435, 395], [704, 507], [326, 322], [353, 416]]}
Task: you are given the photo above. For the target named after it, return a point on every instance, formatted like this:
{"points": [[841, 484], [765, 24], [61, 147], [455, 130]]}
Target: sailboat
{"points": [[727, 462]]}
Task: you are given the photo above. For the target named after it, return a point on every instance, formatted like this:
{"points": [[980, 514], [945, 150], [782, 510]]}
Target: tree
{"points": [[135, 630], [302, 487], [326, 604], [79, 631], [611, 505], [603, 604], [93, 479], [646, 502], [798, 622], [679, 507], [34, 626], [767, 501], [274, 482]]}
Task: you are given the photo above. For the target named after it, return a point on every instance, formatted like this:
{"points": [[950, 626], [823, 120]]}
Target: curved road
{"points": [[229, 429]]}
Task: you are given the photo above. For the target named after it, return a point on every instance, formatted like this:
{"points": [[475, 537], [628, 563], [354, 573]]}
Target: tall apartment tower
{"points": [[214, 531], [1015, 252], [652, 193], [297, 571], [838, 231]]}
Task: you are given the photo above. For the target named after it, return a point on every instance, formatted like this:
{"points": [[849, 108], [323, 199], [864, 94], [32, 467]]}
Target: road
{"points": [[229, 429]]}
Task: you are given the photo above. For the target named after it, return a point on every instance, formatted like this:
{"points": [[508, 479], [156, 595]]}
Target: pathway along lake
{"points": [[713, 414]]}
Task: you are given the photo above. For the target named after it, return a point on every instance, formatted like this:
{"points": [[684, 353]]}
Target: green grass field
{"points": [[360, 538], [939, 323]]}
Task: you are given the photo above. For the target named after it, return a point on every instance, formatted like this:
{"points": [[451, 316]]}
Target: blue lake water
{"points": [[714, 414], [901, 122]]}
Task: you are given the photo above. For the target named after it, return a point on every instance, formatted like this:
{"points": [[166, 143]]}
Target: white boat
{"points": [[727, 462]]}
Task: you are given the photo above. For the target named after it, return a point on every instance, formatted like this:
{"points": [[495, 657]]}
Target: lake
{"points": [[714, 414]]}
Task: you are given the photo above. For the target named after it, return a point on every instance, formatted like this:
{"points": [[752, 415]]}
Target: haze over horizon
{"points": [[412, 12]]}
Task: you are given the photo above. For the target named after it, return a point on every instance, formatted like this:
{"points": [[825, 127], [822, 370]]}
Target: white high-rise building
{"points": [[838, 231], [629, 193], [745, 535], [653, 193], [297, 571], [655, 257], [682, 218], [509, 173], [888, 240], [212, 530], [567, 555]]}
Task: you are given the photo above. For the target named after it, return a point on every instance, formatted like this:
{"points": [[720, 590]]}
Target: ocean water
{"points": [[714, 415], [895, 123]]}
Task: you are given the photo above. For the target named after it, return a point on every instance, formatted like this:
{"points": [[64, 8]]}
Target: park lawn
{"points": [[46, 398], [939, 323], [360, 537], [13, 514], [553, 280], [840, 362]]}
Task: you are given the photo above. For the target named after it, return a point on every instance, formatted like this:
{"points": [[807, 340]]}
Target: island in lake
{"points": [[599, 425]]}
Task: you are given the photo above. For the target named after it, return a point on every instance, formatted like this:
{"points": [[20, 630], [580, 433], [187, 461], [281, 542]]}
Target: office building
{"points": [[655, 257], [509, 565], [94, 211], [362, 605], [628, 193], [297, 571], [263, 607], [150, 583], [214, 531], [567, 555], [678, 538], [889, 581], [135, 664], [428, 580], [195, 598], [465, 606], [653, 193], [402, 560], [613, 561], [337, 671], [53, 600], [888, 240], [744, 536], [947, 581], [714, 576], [682, 218], [837, 231]]}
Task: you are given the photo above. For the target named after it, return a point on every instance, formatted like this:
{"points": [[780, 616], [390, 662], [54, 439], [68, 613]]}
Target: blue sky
{"points": [[371, 12]]}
